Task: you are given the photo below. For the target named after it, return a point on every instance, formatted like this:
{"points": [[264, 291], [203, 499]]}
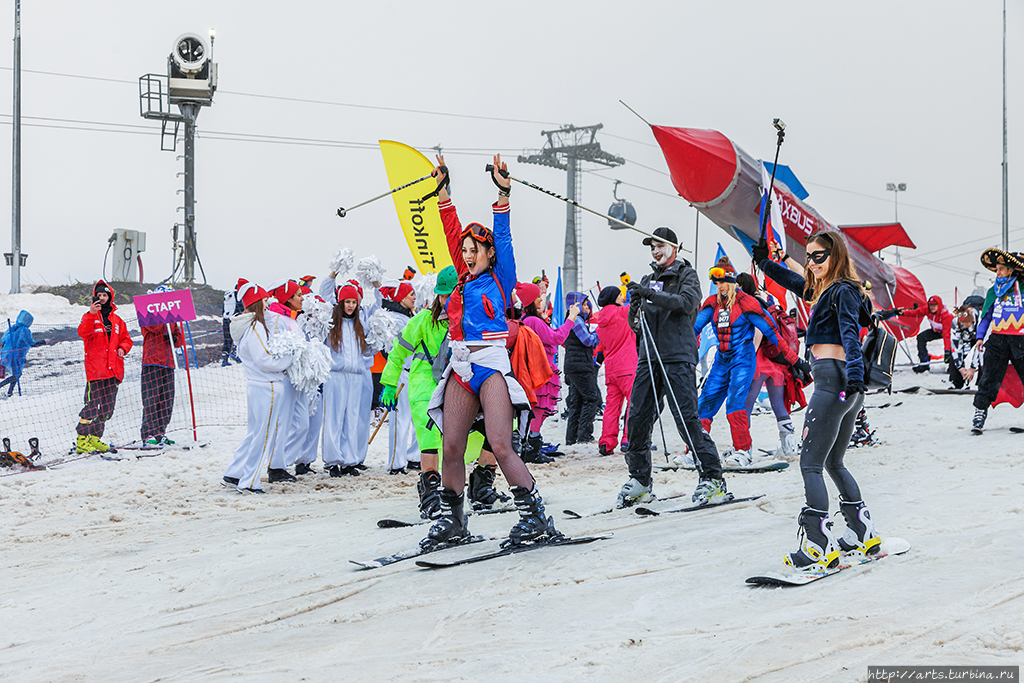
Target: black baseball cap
{"points": [[665, 234]]}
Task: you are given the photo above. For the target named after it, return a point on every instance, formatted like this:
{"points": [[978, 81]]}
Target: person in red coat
{"points": [[158, 381], [618, 344], [106, 343], [940, 325]]}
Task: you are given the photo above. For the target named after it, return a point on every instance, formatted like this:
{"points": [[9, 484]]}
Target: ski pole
{"points": [[650, 371], [572, 202], [342, 212], [780, 126]]}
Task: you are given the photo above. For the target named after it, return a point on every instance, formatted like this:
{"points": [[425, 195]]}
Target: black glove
{"points": [[948, 357], [854, 388], [801, 370], [600, 357], [759, 251], [638, 290]]}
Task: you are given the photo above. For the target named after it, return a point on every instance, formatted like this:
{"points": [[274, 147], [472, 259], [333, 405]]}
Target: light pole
{"points": [[896, 188]]}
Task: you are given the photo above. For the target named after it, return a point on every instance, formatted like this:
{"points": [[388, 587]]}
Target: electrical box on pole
{"points": [[189, 85], [126, 246]]}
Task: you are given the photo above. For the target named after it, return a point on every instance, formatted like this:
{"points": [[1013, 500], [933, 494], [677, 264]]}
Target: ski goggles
{"points": [[478, 233], [819, 257]]}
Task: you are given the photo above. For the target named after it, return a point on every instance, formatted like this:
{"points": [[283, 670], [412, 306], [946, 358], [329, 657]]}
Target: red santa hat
{"points": [[251, 293], [238, 285], [398, 293], [350, 290], [282, 290]]}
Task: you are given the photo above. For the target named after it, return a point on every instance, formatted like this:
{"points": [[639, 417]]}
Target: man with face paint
{"points": [[665, 303]]}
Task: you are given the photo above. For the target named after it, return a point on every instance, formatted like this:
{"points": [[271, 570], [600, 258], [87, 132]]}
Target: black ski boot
{"points": [[452, 525], [531, 451], [861, 534], [33, 443], [533, 524], [429, 487], [482, 493], [818, 548], [862, 434], [978, 424]]}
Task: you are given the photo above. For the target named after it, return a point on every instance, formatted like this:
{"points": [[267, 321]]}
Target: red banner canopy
{"points": [[879, 236]]}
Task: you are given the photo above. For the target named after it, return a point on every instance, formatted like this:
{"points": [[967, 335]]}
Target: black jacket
{"points": [[670, 312], [578, 356]]}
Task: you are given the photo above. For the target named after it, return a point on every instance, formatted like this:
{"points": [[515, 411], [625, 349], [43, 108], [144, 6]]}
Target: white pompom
{"points": [[425, 290], [369, 271], [317, 317], [341, 263], [311, 361], [381, 330]]}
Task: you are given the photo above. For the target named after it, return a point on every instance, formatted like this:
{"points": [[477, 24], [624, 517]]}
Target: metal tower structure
{"points": [[190, 83], [565, 149]]}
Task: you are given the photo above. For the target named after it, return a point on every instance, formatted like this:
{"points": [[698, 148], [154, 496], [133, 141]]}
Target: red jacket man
{"points": [[106, 343], [940, 322]]}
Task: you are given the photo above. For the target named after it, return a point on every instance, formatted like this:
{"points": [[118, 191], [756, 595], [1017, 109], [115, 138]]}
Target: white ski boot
{"points": [[861, 535], [634, 492]]}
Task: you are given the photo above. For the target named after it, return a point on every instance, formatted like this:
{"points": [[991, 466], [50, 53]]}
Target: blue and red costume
{"points": [[735, 363], [476, 309]]}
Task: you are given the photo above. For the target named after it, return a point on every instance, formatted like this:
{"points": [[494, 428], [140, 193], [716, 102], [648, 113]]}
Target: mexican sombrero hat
{"points": [[992, 256]]}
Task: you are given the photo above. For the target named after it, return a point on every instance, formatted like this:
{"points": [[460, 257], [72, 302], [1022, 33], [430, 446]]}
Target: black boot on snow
{"points": [[429, 488], [978, 424], [531, 451], [861, 534], [452, 525], [482, 493], [818, 548], [533, 523]]}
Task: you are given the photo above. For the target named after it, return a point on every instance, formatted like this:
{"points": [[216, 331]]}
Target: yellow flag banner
{"points": [[420, 220]]}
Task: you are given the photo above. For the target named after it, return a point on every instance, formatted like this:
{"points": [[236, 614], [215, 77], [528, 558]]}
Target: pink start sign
{"points": [[164, 308]]}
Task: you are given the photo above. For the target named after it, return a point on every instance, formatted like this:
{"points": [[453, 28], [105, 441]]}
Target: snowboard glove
{"points": [[387, 398], [636, 289], [801, 370], [759, 251], [854, 388]]}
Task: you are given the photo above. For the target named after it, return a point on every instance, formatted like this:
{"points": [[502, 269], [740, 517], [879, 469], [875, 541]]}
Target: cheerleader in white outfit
{"points": [[348, 393], [252, 331]]}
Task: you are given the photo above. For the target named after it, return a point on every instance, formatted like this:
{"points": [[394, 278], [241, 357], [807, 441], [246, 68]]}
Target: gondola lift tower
{"points": [[189, 85]]}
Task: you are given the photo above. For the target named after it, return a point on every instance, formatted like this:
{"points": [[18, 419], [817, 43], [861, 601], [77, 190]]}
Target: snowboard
{"points": [[795, 577]]}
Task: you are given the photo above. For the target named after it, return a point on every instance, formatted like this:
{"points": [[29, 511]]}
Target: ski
{"points": [[401, 524], [952, 392], [513, 550], [1017, 430], [774, 466], [795, 577], [647, 512], [409, 554], [604, 511]]}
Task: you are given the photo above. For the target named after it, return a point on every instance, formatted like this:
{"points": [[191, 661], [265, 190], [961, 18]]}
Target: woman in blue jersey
{"points": [[478, 384]]}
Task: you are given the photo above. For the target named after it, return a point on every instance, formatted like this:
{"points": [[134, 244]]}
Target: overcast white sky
{"points": [[872, 92]]}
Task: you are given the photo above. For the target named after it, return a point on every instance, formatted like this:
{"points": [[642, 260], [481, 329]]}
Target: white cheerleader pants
{"points": [[348, 397], [260, 446]]}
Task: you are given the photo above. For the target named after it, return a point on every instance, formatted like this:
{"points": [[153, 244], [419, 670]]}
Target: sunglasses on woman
{"points": [[819, 257], [478, 233]]}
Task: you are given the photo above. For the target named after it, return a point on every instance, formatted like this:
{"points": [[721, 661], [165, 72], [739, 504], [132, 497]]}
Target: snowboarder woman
{"points": [[840, 309], [479, 381], [106, 344], [736, 315], [348, 393], [252, 331]]}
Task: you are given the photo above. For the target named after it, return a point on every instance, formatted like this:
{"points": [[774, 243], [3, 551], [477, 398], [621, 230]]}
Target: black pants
{"points": [[644, 406], [584, 400], [157, 399], [1000, 350], [100, 397], [229, 345], [828, 424], [955, 377], [923, 337]]}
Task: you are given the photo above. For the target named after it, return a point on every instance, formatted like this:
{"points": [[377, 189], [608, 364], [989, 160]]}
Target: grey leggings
{"points": [[776, 395], [828, 425]]}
